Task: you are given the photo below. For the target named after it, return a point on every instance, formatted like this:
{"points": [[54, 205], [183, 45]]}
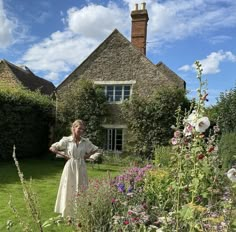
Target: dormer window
{"points": [[117, 91]]}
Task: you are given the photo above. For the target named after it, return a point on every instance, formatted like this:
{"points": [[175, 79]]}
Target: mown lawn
{"points": [[45, 176]]}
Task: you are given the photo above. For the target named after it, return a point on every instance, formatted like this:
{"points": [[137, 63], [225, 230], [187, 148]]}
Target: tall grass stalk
{"points": [[29, 197]]}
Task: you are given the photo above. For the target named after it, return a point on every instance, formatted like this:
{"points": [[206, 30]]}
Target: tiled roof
{"points": [[29, 80]]}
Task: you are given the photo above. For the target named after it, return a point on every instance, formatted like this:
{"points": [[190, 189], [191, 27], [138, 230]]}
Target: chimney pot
{"points": [[144, 5], [139, 28], [136, 6]]}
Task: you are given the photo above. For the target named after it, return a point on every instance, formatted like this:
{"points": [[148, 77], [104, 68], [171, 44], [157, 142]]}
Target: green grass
{"points": [[45, 176]]}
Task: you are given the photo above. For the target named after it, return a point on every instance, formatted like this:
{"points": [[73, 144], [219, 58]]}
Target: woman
{"points": [[74, 177]]}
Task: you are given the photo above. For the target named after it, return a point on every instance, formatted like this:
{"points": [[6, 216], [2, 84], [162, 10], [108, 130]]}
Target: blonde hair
{"points": [[76, 123]]}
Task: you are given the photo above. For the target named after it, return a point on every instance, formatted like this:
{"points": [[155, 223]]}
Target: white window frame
{"points": [[109, 128], [105, 84]]}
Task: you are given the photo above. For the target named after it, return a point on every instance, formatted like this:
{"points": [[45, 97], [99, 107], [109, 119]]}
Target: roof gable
{"points": [[24, 76], [172, 76], [116, 43]]}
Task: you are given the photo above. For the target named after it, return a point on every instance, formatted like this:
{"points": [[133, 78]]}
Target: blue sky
{"points": [[53, 37]]}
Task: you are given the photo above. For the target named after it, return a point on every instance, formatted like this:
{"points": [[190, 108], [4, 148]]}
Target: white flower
{"points": [[192, 118], [231, 174], [202, 124]]}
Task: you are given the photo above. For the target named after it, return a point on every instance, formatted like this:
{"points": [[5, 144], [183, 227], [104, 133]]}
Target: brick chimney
{"points": [[139, 27]]}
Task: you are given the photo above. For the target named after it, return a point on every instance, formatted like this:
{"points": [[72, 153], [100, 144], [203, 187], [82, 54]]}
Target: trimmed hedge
{"points": [[25, 120]]}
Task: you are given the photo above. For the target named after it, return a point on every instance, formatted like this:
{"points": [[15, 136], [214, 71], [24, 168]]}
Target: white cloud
{"points": [[87, 27], [96, 21], [219, 39], [174, 20], [59, 52], [7, 28], [211, 64], [185, 68]]}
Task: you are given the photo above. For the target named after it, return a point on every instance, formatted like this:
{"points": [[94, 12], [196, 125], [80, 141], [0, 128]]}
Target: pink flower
{"points": [[174, 141], [177, 134], [188, 130], [126, 222]]}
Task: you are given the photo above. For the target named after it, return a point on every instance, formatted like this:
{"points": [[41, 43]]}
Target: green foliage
{"points": [[227, 150], [163, 156], [157, 191], [94, 207], [82, 101], [225, 111], [149, 119], [25, 119]]}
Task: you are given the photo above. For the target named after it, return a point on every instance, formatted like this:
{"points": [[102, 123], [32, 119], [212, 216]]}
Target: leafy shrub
{"points": [[224, 112], [163, 155], [149, 119], [81, 101], [227, 149]]}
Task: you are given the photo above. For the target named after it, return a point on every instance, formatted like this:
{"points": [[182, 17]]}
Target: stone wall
{"points": [[6, 76]]}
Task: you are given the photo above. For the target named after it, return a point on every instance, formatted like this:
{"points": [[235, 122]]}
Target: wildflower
{"points": [[177, 134], [113, 200], [211, 149], [200, 157], [202, 124], [188, 130], [192, 118], [231, 174], [174, 141], [121, 187], [126, 222]]}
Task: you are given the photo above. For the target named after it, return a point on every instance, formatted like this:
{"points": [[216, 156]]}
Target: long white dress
{"points": [[74, 176]]}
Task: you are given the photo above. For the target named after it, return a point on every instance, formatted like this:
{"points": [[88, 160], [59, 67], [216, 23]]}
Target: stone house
{"points": [[122, 69], [13, 75]]}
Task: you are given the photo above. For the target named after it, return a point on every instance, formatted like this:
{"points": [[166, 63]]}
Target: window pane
{"points": [[110, 95], [127, 87], [114, 139], [118, 93], [126, 92]]}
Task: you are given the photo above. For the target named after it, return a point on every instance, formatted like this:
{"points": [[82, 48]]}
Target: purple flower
{"points": [[121, 187]]}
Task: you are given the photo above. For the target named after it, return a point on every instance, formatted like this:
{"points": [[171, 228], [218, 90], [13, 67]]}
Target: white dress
{"points": [[74, 176]]}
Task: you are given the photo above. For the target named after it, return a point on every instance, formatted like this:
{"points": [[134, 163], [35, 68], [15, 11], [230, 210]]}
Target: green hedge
{"points": [[227, 149], [25, 120]]}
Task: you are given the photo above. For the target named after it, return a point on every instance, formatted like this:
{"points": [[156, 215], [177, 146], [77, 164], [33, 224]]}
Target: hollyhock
{"points": [[202, 124], [231, 174], [174, 141], [188, 130], [192, 118]]}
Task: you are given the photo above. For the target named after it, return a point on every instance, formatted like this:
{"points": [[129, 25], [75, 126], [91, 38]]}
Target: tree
{"points": [[224, 112], [82, 101]]}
